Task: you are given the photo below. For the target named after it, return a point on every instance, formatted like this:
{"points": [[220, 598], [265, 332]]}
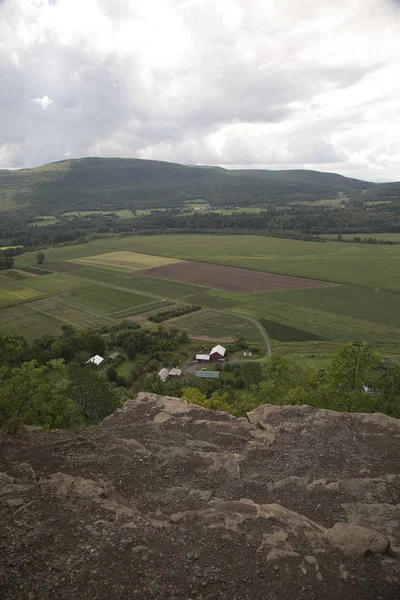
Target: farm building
{"points": [[95, 360], [207, 374], [165, 374], [217, 352], [174, 373], [113, 357], [203, 357]]}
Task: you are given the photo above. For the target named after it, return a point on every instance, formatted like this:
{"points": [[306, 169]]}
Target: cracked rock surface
{"points": [[169, 501]]}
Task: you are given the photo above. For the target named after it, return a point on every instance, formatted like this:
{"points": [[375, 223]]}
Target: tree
{"points": [[29, 396], [193, 396], [40, 257], [388, 388], [94, 395], [346, 375], [131, 351], [112, 374]]}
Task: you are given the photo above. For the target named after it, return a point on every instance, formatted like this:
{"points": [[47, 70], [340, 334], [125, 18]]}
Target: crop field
{"points": [[50, 285], [211, 300], [365, 265], [24, 320], [230, 278], [35, 270], [158, 287], [126, 261], [104, 299], [63, 312], [215, 326], [44, 220], [286, 333], [122, 214], [328, 325], [12, 292], [370, 305], [64, 253], [62, 267]]}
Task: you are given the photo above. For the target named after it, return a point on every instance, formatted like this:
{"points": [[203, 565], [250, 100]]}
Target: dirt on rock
{"points": [[169, 501]]}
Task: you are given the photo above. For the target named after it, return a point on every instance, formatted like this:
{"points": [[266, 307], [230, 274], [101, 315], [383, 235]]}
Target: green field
{"points": [[326, 324], [24, 320], [370, 305], [122, 214], [44, 221], [364, 307], [49, 285], [211, 300], [213, 325], [149, 285], [105, 299], [286, 333], [365, 265], [126, 261], [60, 310]]}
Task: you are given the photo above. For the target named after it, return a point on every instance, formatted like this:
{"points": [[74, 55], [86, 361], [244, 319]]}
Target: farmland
{"points": [[23, 319], [370, 305], [364, 265], [308, 296], [12, 292], [230, 278], [211, 325], [129, 261]]}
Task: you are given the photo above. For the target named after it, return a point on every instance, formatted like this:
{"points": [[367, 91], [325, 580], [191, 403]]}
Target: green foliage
{"points": [[348, 370], [217, 401], [93, 394], [29, 396], [112, 183], [40, 257], [171, 314], [112, 374]]}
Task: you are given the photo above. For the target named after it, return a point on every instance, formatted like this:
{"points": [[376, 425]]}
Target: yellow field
{"points": [[125, 261], [13, 293]]}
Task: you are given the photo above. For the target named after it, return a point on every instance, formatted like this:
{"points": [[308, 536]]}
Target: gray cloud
{"points": [[238, 82]]}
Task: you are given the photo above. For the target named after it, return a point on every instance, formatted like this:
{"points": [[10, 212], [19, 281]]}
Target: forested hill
{"points": [[112, 183]]}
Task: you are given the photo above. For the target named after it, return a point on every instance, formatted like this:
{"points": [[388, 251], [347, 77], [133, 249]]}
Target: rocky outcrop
{"points": [[166, 500]]}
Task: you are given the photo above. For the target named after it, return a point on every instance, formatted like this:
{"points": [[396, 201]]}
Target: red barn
{"points": [[217, 353]]}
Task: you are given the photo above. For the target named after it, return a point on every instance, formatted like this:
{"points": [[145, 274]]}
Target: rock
{"points": [[162, 417], [98, 491], [25, 473], [352, 539], [166, 500]]}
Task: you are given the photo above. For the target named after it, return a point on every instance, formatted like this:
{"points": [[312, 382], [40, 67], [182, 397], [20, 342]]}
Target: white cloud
{"points": [[274, 83], [44, 102]]}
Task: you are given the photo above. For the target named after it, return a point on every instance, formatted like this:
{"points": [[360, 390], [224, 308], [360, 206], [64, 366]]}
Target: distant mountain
{"points": [[112, 183]]}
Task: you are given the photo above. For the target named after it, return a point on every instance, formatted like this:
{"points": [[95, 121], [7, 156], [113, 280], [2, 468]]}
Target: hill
{"points": [[115, 183], [166, 500]]}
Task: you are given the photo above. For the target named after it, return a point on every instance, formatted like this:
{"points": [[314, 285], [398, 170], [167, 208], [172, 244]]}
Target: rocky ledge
{"points": [[166, 500]]}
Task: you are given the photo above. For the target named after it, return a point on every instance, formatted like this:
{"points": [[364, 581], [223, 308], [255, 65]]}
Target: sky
{"points": [[275, 84]]}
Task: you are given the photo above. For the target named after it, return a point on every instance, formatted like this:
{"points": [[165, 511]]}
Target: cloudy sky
{"points": [[238, 83]]}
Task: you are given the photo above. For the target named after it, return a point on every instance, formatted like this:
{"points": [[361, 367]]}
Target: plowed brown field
{"points": [[233, 279]]}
